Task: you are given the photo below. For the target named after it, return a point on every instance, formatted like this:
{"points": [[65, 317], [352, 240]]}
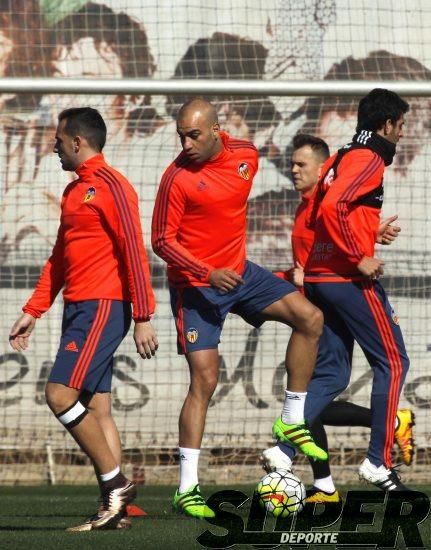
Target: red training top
{"points": [[99, 252], [302, 237], [345, 224], [200, 215]]}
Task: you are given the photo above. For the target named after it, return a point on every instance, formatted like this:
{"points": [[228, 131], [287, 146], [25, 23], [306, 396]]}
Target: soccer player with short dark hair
{"points": [[100, 260], [308, 156], [199, 229], [341, 277]]}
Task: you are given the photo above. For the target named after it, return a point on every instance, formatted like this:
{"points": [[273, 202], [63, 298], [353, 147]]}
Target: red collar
{"points": [[91, 164]]}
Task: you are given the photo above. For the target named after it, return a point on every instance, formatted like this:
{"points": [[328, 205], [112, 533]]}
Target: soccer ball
{"points": [[281, 493]]}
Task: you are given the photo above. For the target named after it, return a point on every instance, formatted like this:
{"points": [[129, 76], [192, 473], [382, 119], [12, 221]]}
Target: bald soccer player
{"points": [[199, 229]]}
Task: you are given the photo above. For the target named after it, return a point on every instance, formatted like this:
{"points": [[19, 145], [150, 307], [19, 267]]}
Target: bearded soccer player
{"points": [[341, 277], [308, 156], [199, 229], [100, 260]]}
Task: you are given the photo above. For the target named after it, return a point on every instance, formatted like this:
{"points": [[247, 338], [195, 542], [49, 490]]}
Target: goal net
{"points": [[302, 39]]}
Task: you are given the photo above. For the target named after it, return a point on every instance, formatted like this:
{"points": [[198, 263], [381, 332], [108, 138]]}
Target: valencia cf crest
{"points": [[244, 170], [329, 178], [90, 194], [192, 335]]}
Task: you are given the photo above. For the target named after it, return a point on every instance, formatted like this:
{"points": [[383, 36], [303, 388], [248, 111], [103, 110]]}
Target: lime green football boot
{"points": [[192, 503], [299, 436]]}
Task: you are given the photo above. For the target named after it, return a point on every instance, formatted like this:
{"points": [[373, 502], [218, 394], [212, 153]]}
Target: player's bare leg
{"points": [[88, 433], [99, 405], [204, 368], [306, 321], [85, 428]]}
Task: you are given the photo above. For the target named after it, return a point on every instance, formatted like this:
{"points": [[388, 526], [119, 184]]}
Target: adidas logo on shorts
{"points": [[71, 346]]}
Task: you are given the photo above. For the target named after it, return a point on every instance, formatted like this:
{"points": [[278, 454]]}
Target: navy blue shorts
{"points": [[201, 311], [92, 330]]}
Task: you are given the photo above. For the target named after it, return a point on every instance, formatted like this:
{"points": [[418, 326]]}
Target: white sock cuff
{"points": [[288, 393], [189, 459], [293, 407], [187, 451], [110, 475]]}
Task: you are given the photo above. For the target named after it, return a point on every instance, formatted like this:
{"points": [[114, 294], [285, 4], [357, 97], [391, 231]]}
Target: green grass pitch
{"points": [[36, 518]]}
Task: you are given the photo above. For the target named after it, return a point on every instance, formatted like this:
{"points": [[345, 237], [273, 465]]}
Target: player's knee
{"points": [[210, 386], [59, 398], [51, 396], [204, 386], [314, 323]]}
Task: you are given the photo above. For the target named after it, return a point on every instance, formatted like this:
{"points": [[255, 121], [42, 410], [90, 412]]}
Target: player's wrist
{"points": [[210, 271], [360, 261], [141, 320], [32, 312]]}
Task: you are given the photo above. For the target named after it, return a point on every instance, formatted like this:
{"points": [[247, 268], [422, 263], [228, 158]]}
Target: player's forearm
{"points": [[49, 285], [40, 302], [143, 299], [135, 259], [177, 256]]}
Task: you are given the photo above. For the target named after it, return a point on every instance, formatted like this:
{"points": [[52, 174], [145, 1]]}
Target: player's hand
{"points": [[145, 339], [20, 332], [297, 275], [225, 279], [371, 267], [387, 233]]}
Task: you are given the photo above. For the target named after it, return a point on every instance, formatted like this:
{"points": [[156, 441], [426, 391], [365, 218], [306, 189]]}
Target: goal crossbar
{"points": [[210, 87]]}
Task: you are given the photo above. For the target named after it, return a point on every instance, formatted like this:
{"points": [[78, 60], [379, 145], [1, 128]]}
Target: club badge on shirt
{"points": [[244, 171], [329, 178], [90, 194], [192, 335]]}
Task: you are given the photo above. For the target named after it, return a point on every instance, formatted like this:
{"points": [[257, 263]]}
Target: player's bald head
{"points": [[198, 107], [199, 130]]}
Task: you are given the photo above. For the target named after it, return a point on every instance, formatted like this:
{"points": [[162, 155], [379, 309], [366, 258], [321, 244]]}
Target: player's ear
{"points": [[387, 128], [216, 130], [77, 143]]}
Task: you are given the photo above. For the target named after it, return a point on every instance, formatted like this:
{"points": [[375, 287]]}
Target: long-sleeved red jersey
{"points": [[99, 252], [345, 214], [200, 215], [302, 237]]}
